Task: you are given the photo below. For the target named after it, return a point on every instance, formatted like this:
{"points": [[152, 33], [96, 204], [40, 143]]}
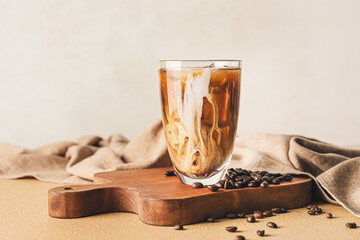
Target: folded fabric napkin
{"points": [[335, 170]]}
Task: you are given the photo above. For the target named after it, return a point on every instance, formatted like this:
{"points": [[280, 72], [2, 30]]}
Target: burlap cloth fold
{"points": [[335, 169]]}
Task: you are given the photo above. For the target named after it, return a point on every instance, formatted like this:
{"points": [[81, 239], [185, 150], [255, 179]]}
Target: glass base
{"points": [[205, 181]]}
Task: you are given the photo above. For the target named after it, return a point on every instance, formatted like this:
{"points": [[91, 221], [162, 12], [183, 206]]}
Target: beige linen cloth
{"points": [[335, 170]]}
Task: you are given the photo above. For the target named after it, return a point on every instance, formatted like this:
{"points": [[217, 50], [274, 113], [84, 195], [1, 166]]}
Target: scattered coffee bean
{"points": [[170, 173], [241, 215], [309, 206], [267, 213], [271, 225], [247, 179], [276, 210], [266, 178], [239, 185], [226, 184], [311, 212], [329, 215], [220, 184], [197, 185], [287, 177], [257, 178], [231, 215], [317, 210], [313, 207], [240, 178], [275, 181], [258, 214], [260, 232], [213, 188], [178, 227], [253, 184], [351, 225], [239, 237], [231, 229], [211, 219], [231, 183], [283, 210], [262, 173], [250, 219]]}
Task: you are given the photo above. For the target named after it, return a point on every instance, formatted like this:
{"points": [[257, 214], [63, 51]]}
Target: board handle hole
{"points": [[68, 188]]}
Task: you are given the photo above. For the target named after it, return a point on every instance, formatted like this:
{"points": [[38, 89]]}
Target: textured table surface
{"points": [[24, 215]]}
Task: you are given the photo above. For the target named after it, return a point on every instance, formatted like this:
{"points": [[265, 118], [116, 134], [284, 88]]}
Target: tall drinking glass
{"points": [[200, 108]]}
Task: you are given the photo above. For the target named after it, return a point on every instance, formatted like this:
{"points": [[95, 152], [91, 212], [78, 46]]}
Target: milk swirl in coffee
{"points": [[200, 114]]}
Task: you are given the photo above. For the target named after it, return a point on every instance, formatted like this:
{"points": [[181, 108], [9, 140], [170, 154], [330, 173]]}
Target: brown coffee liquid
{"points": [[200, 114]]}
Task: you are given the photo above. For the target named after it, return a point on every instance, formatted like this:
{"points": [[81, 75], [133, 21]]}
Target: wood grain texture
{"points": [[165, 201]]}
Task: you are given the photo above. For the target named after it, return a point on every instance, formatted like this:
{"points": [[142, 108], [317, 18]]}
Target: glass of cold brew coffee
{"points": [[200, 108]]}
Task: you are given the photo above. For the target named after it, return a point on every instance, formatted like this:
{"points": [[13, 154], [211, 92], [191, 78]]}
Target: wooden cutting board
{"points": [[165, 201]]}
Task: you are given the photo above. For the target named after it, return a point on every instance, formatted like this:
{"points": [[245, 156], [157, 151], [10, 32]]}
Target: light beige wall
{"points": [[69, 68]]}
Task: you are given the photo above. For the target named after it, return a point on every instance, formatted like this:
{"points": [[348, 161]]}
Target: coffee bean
{"points": [[351, 225], [262, 173], [178, 227], [220, 184], [309, 206], [169, 173], [239, 237], [239, 185], [247, 179], [239, 178], [283, 210], [287, 177], [231, 183], [211, 219], [311, 212], [231, 229], [231, 215], [313, 207], [241, 215], [258, 214], [253, 184], [275, 181], [238, 171], [260, 232], [197, 185], [213, 188], [271, 225], [276, 210], [276, 175], [267, 179], [257, 178], [317, 210], [267, 213], [269, 175], [226, 184], [250, 219], [280, 178], [233, 174], [253, 174], [329, 215], [245, 172], [264, 184]]}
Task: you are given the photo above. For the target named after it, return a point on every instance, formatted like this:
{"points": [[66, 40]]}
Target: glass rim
{"points": [[199, 64], [201, 60]]}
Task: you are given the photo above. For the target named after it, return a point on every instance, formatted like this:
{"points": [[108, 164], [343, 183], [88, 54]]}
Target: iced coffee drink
{"points": [[200, 105]]}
